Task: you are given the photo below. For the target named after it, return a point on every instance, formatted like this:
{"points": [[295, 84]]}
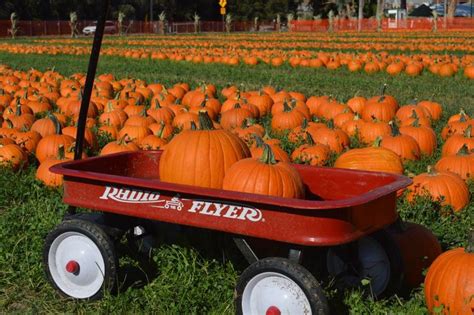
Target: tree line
{"points": [[175, 10]]}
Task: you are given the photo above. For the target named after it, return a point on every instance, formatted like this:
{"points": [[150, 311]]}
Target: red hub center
{"points": [[273, 310], [72, 266]]}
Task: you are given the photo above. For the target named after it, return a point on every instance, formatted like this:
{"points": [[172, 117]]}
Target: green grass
{"points": [[189, 282]]}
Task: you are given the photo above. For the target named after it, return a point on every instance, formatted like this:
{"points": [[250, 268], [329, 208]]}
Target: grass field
{"points": [[188, 281]]}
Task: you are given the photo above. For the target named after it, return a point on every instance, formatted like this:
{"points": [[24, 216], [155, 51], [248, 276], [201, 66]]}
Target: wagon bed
{"points": [[341, 205]]}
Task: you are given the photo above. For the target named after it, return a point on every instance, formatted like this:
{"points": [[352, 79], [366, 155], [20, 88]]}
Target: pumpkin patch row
{"points": [[400, 41], [394, 64], [39, 111]]}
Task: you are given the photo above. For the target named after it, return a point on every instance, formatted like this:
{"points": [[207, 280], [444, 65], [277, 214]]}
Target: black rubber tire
{"points": [[396, 262], [103, 242], [300, 275]]}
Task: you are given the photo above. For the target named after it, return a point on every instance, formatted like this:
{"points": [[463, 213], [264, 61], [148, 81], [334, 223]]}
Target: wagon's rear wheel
{"points": [[279, 286], [373, 259], [79, 260]]}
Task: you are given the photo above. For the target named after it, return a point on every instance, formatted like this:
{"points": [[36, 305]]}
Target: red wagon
{"points": [[345, 215], [344, 207]]}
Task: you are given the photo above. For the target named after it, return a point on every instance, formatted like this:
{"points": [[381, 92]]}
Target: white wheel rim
{"points": [[79, 249], [274, 293], [374, 262]]}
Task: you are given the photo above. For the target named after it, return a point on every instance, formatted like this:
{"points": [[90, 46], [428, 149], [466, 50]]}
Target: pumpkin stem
{"points": [[9, 123], [258, 141], [416, 122], [309, 138], [331, 124], [121, 141], [61, 152], [394, 128], [162, 129], [463, 115], [430, 170], [383, 89], [286, 107], [57, 125], [377, 142], [18, 107], [157, 104], [304, 125], [413, 114], [205, 122], [267, 157], [470, 243], [237, 105], [468, 132], [463, 150]]}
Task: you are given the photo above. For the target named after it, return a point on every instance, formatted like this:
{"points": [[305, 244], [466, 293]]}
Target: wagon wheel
{"points": [[79, 260], [279, 286], [371, 259]]}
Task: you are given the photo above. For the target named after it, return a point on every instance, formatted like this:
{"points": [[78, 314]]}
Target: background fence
{"points": [[55, 28]]}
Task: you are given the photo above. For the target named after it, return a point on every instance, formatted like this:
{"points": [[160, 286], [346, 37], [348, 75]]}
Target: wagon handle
{"points": [[86, 97]]}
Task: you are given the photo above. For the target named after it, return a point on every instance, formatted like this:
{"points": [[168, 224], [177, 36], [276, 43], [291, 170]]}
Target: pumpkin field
{"points": [[398, 102]]}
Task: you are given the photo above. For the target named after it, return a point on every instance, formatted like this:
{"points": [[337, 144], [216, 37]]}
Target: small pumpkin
{"points": [[118, 146], [404, 146], [11, 155], [462, 163]]}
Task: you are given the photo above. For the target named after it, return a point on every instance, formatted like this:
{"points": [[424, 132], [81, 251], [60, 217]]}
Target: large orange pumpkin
{"points": [[446, 187], [449, 285], [201, 157], [371, 159], [264, 176]]}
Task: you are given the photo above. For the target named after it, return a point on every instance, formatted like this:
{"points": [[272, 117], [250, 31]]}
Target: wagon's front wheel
{"points": [[79, 260], [276, 286]]}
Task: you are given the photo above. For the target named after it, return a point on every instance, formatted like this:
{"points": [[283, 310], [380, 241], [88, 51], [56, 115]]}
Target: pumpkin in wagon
{"points": [[201, 157], [264, 176]]}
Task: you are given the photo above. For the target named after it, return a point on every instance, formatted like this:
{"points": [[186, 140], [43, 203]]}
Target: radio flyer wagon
{"points": [[346, 214]]}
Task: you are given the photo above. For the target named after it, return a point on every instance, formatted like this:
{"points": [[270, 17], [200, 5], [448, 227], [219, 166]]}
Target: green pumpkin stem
{"points": [[331, 124], [430, 170], [468, 132], [463, 150], [463, 116], [414, 114], [157, 104], [205, 122], [258, 140], [377, 142], [309, 139], [304, 125], [470, 243], [394, 128], [416, 122], [56, 122], [286, 107], [384, 87], [61, 152], [267, 156], [162, 129], [9, 123]]}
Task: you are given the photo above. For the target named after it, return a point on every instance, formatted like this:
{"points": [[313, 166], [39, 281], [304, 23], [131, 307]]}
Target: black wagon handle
{"points": [[91, 70], [86, 96]]}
